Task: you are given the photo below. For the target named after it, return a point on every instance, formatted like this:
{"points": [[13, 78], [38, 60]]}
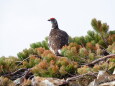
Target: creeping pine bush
{"points": [[80, 51], [8, 64]]}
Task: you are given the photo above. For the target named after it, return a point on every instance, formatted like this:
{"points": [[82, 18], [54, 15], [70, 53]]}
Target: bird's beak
{"points": [[49, 20]]}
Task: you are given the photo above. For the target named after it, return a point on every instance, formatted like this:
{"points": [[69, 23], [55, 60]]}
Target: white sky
{"points": [[23, 22]]}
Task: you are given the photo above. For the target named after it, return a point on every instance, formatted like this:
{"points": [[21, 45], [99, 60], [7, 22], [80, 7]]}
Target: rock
{"points": [[103, 79], [19, 81], [46, 83], [102, 74], [112, 83], [40, 81]]}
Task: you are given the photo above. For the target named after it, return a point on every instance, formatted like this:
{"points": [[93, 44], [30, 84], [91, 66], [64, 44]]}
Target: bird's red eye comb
{"points": [[52, 18]]}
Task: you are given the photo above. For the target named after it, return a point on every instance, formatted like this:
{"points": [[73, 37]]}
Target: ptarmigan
{"points": [[57, 38]]}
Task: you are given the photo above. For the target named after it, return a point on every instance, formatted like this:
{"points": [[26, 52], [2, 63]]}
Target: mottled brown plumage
{"points": [[57, 38]]}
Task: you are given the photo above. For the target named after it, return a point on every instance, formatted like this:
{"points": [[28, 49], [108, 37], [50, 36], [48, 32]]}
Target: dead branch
{"points": [[15, 72], [20, 62], [100, 59], [22, 72], [23, 61]]}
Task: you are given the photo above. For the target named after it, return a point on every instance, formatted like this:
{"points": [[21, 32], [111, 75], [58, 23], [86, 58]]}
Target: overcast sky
{"points": [[23, 22]]}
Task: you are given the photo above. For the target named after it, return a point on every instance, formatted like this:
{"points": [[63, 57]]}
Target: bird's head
{"points": [[53, 20], [54, 23]]}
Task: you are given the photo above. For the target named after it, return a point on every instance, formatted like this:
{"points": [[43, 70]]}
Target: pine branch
{"points": [[104, 39]]}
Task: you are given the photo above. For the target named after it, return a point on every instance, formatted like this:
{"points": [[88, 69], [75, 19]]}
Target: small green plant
{"points": [[8, 64], [71, 51], [55, 68], [111, 48], [101, 29], [26, 53], [43, 44], [31, 62], [6, 82], [84, 69]]}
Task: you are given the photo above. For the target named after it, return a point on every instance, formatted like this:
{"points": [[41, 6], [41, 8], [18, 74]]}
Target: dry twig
{"points": [[100, 59]]}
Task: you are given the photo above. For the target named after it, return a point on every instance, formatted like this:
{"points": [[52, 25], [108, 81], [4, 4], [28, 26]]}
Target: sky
{"points": [[23, 22]]}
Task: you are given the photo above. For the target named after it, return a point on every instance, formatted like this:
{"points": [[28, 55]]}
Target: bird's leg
{"points": [[57, 53]]}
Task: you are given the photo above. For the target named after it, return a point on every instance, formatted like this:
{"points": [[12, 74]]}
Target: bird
{"points": [[57, 38]]}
